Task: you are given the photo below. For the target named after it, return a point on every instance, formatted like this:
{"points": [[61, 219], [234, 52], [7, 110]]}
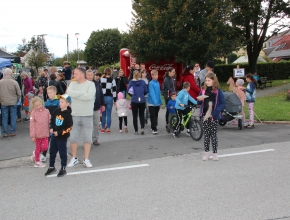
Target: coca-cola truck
{"points": [[126, 60]]}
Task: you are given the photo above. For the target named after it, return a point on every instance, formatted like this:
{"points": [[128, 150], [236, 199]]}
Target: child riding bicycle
{"points": [[183, 98]]}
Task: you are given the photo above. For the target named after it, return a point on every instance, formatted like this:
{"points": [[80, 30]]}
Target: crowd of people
{"points": [[74, 105]]}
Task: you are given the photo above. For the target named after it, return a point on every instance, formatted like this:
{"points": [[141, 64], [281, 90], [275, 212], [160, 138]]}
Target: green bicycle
{"points": [[196, 130]]}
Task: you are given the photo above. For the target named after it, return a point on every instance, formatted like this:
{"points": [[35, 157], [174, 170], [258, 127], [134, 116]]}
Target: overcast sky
{"points": [[57, 18]]}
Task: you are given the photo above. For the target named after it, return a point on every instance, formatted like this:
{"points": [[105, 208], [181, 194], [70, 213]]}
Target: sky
{"points": [[57, 18]]}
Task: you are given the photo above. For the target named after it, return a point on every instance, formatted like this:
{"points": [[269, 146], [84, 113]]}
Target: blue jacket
{"points": [[154, 95], [171, 103], [52, 104], [99, 98], [182, 98], [140, 90], [220, 104], [251, 92]]}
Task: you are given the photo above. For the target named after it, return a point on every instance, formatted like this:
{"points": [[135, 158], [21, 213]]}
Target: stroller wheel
{"points": [[222, 123], [240, 124]]}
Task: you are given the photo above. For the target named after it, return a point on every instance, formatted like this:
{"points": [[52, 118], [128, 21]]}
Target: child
{"points": [[144, 78], [154, 101], [40, 92], [122, 111], [250, 98], [210, 110], [39, 129], [181, 100], [60, 126], [19, 110], [51, 104], [257, 78], [171, 106], [27, 99]]}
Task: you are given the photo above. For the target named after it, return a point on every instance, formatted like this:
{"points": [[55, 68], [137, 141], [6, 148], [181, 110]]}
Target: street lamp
{"points": [[77, 36]]}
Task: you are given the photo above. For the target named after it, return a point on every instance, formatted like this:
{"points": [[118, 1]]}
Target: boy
{"points": [[154, 101], [51, 104], [171, 107], [181, 100], [60, 125]]}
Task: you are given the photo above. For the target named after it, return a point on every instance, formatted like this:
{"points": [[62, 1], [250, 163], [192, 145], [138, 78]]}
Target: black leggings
{"points": [[210, 133], [121, 121], [179, 114], [167, 112], [138, 108]]}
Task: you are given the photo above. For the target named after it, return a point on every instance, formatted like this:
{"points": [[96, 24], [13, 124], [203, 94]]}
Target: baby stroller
{"points": [[232, 110]]}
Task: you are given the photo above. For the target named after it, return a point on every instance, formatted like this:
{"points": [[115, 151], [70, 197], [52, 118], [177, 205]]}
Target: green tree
{"points": [[102, 47], [232, 57], [254, 18], [36, 60], [37, 44], [184, 30]]}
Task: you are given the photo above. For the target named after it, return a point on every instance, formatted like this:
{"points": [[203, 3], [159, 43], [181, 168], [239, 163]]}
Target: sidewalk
{"points": [[272, 90]]}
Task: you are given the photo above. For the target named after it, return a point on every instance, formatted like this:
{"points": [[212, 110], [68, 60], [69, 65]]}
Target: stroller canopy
{"points": [[233, 103]]}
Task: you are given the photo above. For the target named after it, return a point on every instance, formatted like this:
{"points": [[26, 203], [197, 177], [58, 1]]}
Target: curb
{"points": [[274, 122]]}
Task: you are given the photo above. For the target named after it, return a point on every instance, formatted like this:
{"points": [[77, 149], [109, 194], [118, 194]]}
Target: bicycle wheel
{"points": [[196, 130], [173, 122]]}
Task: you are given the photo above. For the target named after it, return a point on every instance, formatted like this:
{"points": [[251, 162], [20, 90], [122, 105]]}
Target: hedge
{"points": [[270, 70]]}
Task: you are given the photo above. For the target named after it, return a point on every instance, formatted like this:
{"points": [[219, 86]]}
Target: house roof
{"points": [[282, 48], [13, 58], [244, 59]]}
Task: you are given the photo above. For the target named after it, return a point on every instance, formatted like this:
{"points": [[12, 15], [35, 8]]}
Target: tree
{"points": [[184, 30], [36, 60], [254, 18], [37, 44], [102, 47], [232, 57]]}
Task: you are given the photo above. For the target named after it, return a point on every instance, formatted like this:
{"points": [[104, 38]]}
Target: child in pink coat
{"points": [[39, 129], [122, 111]]}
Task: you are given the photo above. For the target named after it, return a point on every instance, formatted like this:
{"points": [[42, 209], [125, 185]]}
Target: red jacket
{"points": [[194, 89], [39, 123]]}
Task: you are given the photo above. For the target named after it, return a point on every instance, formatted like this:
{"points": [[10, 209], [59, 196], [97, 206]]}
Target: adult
{"points": [[135, 68], [9, 95], [169, 86], [138, 89], [82, 93], [52, 82], [53, 70], [27, 84], [99, 103], [196, 74], [67, 71], [109, 91], [208, 69], [61, 79], [46, 73], [121, 83], [41, 80], [189, 77]]}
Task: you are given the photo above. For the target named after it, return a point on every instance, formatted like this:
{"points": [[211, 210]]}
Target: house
{"points": [[6, 55]]}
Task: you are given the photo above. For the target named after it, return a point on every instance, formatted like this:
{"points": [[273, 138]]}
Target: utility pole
{"points": [[67, 57], [41, 35]]}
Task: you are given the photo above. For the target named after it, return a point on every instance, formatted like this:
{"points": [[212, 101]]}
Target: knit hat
{"points": [[210, 64], [66, 97], [120, 95], [240, 82]]}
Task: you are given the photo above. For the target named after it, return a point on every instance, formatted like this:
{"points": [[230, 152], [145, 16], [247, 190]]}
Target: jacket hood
{"points": [[136, 82], [122, 102], [120, 95]]}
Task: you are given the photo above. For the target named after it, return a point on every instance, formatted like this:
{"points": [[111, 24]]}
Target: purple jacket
{"points": [[28, 86]]}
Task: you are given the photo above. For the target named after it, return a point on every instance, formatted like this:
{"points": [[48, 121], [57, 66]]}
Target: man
{"points": [[9, 95], [136, 67], [99, 102], [67, 72], [208, 69], [82, 93]]}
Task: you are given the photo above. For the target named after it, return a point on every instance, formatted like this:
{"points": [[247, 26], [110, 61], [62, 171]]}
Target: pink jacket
{"points": [[241, 94], [39, 123]]}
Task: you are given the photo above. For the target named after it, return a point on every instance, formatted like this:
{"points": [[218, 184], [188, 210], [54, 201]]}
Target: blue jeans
{"points": [[12, 109], [106, 115], [18, 111]]}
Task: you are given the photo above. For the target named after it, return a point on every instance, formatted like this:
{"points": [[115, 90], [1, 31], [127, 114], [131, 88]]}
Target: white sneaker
{"points": [[42, 158], [87, 163], [39, 164], [73, 161]]}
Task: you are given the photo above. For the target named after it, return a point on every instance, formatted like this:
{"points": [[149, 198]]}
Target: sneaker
{"points": [[32, 158], [167, 129], [121, 131], [18, 120], [103, 131], [42, 158], [87, 163], [250, 126], [142, 132], [108, 131], [174, 134], [73, 161], [5, 135], [188, 133], [126, 129], [215, 157], [206, 156], [136, 133], [154, 132], [61, 173], [50, 171], [96, 143], [39, 164], [26, 119]]}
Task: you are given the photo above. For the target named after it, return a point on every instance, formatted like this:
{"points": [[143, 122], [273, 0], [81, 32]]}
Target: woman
{"points": [[138, 89], [169, 86], [27, 84], [61, 79], [53, 82], [188, 76], [41, 80], [121, 82], [109, 91]]}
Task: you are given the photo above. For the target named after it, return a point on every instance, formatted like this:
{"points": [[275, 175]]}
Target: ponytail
{"points": [[168, 71], [188, 68]]}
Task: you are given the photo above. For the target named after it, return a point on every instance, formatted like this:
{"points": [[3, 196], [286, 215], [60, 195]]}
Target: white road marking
{"points": [[103, 170], [243, 153]]}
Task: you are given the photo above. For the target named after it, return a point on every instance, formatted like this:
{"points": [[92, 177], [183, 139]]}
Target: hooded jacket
{"points": [[194, 89], [67, 73], [52, 104], [61, 122], [169, 86], [39, 123], [182, 98], [251, 92], [99, 99], [140, 90], [122, 105], [154, 98], [28, 85]]}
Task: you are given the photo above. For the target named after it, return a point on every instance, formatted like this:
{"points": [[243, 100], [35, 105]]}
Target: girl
{"points": [[145, 79], [39, 129], [121, 82], [40, 92], [250, 98], [122, 107], [210, 110]]}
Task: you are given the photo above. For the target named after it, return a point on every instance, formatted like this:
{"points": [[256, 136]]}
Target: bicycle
{"points": [[196, 129]]}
